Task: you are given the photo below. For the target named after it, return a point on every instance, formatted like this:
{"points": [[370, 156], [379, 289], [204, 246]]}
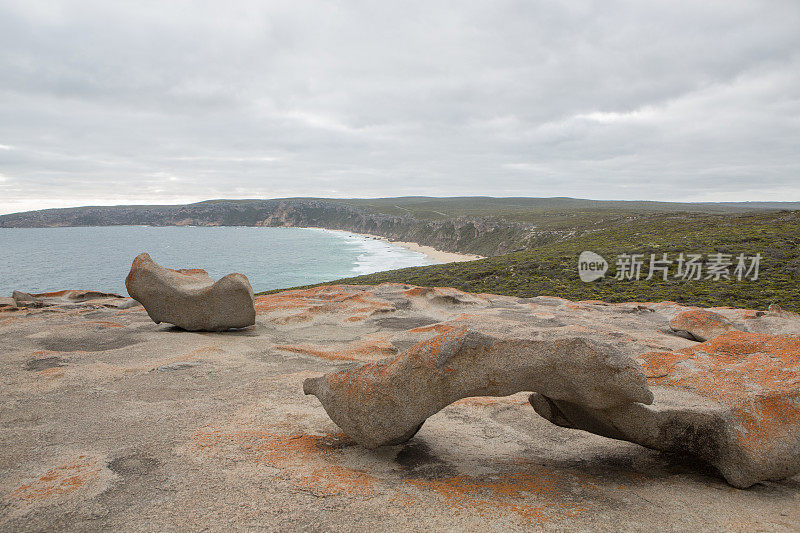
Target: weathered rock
{"points": [[388, 401], [78, 295], [209, 422], [24, 299], [127, 304], [701, 324], [776, 310], [385, 402], [7, 302], [66, 297], [734, 402], [189, 298]]}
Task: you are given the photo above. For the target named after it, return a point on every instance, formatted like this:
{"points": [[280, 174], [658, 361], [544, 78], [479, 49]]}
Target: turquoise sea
{"points": [[48, 259]]}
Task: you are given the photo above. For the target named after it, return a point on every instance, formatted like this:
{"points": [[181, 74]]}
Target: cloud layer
{"points": [[168, 102]]}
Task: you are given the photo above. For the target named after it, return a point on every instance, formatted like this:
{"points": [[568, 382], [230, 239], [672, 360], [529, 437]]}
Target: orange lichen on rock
{"points": [[365, 382], [368, 381], [368, 349], [534, 497], [189, 271], [702, 324], [438, 328], [757, 375], [310, 462], [303, 305], [54, 372], [443, 294], [53, 294], [282, 301], [468, 316], [60, 480], [355, 302], [416, 292], [403, 499], [580, 306], [429, 352], [318, 464]]}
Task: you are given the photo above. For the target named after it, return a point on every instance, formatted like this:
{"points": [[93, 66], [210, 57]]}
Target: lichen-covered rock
{"points": [[701, 324], [733, 401], [24, 299], [189, 298], [123, 404], [68, 296], [386, 402]]}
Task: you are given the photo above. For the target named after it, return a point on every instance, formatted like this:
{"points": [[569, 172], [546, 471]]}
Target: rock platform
{"points": [[109, 421]]}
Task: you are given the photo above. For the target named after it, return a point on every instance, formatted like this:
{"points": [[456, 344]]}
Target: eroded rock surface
{"points": [[733, 402], [702, 325], [189, 298], [110, 423], [386, 402], [67, 299]]}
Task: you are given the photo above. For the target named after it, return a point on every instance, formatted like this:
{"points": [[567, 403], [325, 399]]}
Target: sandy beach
{"points": [[435, 255]]}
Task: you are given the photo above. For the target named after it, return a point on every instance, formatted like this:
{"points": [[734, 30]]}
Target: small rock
{"points": [[776, 310], [68, 299], [24, 299], [701, 324]]}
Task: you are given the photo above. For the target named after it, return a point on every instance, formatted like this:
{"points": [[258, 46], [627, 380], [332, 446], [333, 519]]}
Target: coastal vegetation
{"points": [[550, 268]]}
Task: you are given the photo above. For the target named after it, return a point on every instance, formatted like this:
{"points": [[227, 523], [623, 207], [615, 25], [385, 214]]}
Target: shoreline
{"points": [[439, 256]]}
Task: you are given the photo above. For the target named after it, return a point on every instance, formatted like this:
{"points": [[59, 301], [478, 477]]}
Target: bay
{"points": [[99, 258]]}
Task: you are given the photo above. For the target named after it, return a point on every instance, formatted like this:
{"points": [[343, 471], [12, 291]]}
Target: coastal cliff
{"points": [[464, 234], [479, 225]]}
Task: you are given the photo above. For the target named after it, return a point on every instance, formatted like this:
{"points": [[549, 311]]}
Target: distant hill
{"points": [[530, 209], [479, 225]]}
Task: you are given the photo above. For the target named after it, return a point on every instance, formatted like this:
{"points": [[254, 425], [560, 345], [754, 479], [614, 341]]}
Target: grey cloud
{"points": [[146, 102]]}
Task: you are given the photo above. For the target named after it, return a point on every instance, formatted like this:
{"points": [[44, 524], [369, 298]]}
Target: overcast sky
{"points": [[171, 102]]}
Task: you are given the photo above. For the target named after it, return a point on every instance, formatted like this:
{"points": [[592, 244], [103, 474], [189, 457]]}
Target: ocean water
{"points": [[49, 259]]}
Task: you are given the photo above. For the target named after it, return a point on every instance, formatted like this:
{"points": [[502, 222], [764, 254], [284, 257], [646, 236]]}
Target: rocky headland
{"points": [[479, 235]]}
